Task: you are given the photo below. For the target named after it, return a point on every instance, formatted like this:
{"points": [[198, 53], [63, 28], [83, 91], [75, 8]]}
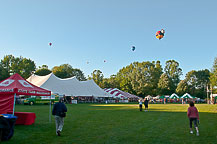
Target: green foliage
{"points": [[110, 82], [182, 87], [20, 65], [173, 72], [78, 74], [140, 78], [197, 82], [213, 76], [97, 76], [26, 68], [3, 73], [164, 85], [43, 70], [66, 71]]}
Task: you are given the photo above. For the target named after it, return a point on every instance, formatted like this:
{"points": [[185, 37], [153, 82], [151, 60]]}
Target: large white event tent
{"points": [[69, 86]]}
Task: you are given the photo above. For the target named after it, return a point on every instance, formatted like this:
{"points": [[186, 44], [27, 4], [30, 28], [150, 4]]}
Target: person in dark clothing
{"points": [[59, 111], [146, 104]]}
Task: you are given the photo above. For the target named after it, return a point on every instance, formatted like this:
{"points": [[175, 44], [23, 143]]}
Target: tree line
{"points": [[139, 78]]}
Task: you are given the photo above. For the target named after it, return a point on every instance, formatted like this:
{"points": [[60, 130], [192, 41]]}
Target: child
{"points": [[193, 117], [140, 105]]}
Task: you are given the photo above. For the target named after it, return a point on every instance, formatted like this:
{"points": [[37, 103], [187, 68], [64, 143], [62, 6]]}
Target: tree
{"points": [[110, 82], [78, 74], [213, 76], [3, 73], [173, 72], [43, 70], [97, 76], [106, 83], [140, 78], [197, 82], [7, 62], [182, 87], [66, 71], [20, 65], [164, 85], [27, 66]]}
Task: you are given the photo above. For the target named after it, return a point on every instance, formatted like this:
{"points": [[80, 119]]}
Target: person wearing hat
{"points": [[59, 111]]}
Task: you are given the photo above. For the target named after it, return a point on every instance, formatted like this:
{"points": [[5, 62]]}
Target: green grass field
{"points": [[118, 124]]}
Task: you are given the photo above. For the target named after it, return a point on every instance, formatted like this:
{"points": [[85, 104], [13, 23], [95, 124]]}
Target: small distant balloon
{"points": [[87, 62], [50, 44], [104, 60], [133, 48], [160, 34]]}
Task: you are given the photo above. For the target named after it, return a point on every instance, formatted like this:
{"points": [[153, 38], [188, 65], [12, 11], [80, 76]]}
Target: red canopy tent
{"points": [[16, 85]]}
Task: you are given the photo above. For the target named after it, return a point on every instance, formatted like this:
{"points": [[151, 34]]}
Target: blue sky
{"points": [[96, 30]]}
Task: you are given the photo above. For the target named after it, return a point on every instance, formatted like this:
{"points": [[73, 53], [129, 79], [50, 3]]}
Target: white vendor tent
{"points": [[173, 96], [186, 95], [69, 86], [149, 97]]}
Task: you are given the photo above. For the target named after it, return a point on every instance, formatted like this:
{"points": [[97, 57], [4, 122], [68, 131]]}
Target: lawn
{"points": [[117, 124]]}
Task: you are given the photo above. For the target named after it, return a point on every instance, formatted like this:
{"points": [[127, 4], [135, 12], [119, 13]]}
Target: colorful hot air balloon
{"points": [[50, 44], [160, 34]]}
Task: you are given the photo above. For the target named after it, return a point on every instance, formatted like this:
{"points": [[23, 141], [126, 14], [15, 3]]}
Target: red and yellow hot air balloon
{"points": [[160, 34]]}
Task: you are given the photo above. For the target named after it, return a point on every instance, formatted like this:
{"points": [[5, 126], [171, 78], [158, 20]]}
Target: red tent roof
{"points": [[17, 84]]}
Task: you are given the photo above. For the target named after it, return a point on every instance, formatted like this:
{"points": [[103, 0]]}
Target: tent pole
{"points": [[14, 102], [50, 110]]}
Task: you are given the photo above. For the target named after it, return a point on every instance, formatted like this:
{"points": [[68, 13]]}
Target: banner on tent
{"points": [[74, 101], [6, 90]]}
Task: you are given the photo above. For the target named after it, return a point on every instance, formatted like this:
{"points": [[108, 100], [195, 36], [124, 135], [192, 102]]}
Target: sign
{"points": [[74, 101], [6, 82], [24, 83]]}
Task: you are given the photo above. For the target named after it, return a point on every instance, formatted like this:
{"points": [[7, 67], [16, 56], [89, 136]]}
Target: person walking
{"points": [[193, 116], [59, 111], [146, 104], [140, 105]]}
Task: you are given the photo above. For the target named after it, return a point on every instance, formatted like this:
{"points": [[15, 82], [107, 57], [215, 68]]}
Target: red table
{"points": [[24, 118]]}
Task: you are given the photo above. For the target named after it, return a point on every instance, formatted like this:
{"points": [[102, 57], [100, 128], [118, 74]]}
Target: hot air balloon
{"points": [[133, 48], [50, 44], [160, 34]]}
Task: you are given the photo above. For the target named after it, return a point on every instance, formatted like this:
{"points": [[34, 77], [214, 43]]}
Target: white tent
{"points": [[149, 97], [116, 93], [186, 95], [174, 96], [69, 86]]}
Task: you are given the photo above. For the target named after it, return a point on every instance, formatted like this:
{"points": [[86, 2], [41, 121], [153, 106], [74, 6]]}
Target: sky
{"points": [[85, 33]]}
